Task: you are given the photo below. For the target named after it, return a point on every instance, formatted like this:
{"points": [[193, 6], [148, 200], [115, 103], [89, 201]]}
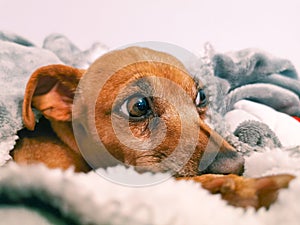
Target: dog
{"points": [[146, 111]]}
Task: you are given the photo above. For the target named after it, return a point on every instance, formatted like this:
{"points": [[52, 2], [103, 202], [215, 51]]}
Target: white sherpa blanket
{"points": [[268, 138]]}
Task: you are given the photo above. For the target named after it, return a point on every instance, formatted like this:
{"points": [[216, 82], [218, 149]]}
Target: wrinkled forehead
{"points": [[135, 69], [149, 79]]}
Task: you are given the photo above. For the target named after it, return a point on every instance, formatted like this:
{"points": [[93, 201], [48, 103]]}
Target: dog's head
{"points": [[134, 106]]}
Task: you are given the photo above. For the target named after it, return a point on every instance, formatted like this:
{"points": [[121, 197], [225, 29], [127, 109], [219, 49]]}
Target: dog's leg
{"points": [[43, 146], [244, 192]]}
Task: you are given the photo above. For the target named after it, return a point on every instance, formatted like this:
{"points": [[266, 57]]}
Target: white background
{"points": [[228, 24]]}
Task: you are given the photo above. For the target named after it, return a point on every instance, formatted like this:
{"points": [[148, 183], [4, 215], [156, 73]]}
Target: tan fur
{"points": [[245, 192], [43, 146]]}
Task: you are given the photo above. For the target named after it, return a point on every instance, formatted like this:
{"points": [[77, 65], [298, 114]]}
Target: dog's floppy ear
{"points": [[51, 89]]}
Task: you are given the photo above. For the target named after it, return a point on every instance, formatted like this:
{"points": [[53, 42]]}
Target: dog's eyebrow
{"points": [[145, 86], [140, 86]]}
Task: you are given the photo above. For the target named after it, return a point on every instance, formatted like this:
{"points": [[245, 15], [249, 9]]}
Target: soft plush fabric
{"points": [[250, 66], [16, 64], [70, 54], [278, 122], [57, 197], [12, 37], [260, 77], [263, 131]]}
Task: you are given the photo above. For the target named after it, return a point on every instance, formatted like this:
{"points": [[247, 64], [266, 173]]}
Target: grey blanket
{"points": [[253, 75], [261, 77], [18, 60]]}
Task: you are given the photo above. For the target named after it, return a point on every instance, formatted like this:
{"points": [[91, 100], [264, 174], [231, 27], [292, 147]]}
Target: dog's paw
{"points": [[245, 192]]}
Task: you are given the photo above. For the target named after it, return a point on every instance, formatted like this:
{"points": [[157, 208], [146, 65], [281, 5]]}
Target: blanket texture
{"points": [[17, 63], [257, 122]]}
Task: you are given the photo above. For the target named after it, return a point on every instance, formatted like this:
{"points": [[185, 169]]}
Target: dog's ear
{"points": [[51, 90]]}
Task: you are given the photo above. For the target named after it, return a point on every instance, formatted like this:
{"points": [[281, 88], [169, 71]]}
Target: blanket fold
{"points": [[70, 54], [255, 67], [259, 77], [248, 65], [19, 59], [17, 64]]}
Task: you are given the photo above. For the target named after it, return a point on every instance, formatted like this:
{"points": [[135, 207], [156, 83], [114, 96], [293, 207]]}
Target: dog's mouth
{"points": [[211, 162]]}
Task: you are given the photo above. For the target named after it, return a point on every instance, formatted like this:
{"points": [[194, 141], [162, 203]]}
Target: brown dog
{"points": [[140, 105]]}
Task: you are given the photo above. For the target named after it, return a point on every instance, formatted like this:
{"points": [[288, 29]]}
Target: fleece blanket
{"points": [[253, 99]]}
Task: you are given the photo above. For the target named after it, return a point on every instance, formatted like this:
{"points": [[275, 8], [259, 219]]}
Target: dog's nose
{"points": [[220, 157]]}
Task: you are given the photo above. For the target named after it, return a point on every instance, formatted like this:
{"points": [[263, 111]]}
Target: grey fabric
{"points": [[282, 81], [278, 98], [70, 54], [246, 66], [12, 37], [18, 60], [60, 198], [242, 71], [261, 77], [17, 64], [256, 133]]}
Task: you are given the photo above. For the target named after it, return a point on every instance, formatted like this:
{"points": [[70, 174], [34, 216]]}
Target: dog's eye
{"points": [[137, 107], [201, 100]]}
